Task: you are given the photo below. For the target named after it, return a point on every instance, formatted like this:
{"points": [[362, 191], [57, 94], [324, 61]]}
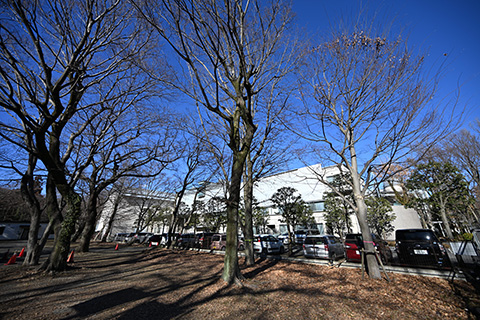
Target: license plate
{"points": [[423, 252], [214, 247], [154, 243]]}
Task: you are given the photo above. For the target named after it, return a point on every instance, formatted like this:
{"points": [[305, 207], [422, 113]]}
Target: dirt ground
{"points": [[157, 283]]}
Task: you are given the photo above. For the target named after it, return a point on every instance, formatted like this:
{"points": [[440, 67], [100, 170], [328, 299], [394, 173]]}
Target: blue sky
{"points": [[438, 27]]}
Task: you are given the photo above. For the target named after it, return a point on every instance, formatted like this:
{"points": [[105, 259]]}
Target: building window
{"points": [[330, 179], [320, 228], [317, 206]]}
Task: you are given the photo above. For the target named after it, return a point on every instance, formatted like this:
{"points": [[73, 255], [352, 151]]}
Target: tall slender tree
{"points": [[367, 105], [233, 49]]}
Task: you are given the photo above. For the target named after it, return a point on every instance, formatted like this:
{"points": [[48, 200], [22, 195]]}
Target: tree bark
{"points": [[231, 269], [116, 204], [446, 223], [248, 231], [27, 188], [361, 210], [61, 249], [90, 220], [371, 260]]}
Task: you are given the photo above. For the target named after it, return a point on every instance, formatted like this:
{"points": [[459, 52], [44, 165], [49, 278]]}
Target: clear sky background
{"points": [[448, 30]]}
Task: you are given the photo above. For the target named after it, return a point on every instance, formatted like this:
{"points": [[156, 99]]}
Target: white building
{"points": [[125, 211], [304, 180]]}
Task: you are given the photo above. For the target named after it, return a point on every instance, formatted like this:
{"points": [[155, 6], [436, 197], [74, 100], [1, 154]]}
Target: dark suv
{"points": [[186, 240], [420, 247]]}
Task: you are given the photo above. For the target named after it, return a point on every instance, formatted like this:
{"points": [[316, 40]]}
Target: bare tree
{"points": [[233, 50], [367, 106], [115, 196], [53, 55], [192, 169], [269, 153], [464, 148], [121, 147]]}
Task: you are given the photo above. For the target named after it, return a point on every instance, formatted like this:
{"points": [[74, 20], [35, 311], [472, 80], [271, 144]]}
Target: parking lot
{"points": [[393, 266]]}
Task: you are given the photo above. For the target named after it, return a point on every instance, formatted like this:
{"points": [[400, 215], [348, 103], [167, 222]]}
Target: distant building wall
{"points": [[304, 180], [405, 219]]}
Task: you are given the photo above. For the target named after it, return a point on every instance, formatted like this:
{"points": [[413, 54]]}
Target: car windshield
{"points": [[422, 235], [315, 240]]}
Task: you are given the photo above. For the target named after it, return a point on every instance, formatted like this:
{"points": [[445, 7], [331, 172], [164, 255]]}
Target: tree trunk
{"points": [[90, 220], [371, 261], [446, 223], [231, 269], [27, 189], [116, 204], [61, 250], [54, 215], [361, 210], [81, 225], [291, 241], [171, 231], [248, 231]]}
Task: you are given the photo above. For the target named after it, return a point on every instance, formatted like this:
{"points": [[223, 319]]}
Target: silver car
{"points": [[326, 246], [266, 243]]}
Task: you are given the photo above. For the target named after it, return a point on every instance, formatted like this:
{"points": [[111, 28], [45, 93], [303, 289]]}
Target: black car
{"points": [[186, 240], [420, 247]]}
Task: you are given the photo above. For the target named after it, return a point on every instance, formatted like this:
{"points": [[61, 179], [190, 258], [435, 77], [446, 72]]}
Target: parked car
{"points": [[284, 238], [354, 244], [139, 237], [155, 240], [203, 240], [186, 240], [326, 246], [120, 237], [301, 234], [420, 247], [267, 243], [219, 242]]}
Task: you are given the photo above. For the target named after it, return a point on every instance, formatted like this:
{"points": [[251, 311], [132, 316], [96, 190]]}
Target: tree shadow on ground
{"points": [[260, 268]]}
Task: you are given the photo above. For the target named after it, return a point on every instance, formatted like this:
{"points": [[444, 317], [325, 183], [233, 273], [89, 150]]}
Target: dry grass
{"points": [[164, 284]]}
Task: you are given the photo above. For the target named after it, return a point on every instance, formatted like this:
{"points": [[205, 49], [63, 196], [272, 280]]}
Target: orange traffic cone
{"points": [[22, 252], [116, 247], [12, 259], [70, 257]]}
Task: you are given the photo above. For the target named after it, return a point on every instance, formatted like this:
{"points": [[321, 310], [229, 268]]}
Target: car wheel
{"points": [[282, 249], [222, 249], [241, 247]]}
